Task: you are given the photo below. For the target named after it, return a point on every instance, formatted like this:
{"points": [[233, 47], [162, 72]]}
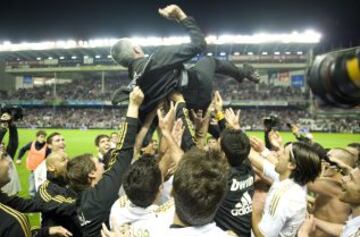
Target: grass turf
{"points": [[79, 142]]}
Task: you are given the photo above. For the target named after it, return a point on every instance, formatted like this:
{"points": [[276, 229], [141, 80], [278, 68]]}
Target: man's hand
{"points": [[275, 140], [232, 119], [5, 119], [173, 12], [307, 227], [135, 100], [257, 144], [217, 102], [136, 97], [177, 97], [59, 231], [199, 120], [166, 122], [123, 231]]}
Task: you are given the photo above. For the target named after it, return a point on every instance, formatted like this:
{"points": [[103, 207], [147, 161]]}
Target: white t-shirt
{"points": [[124, 212], [352, 228], [166, 192], [209, 230], [40, 174], [285, 206]]}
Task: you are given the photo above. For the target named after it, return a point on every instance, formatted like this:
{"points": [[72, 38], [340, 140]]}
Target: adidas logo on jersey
{"points": [[244, 206]]}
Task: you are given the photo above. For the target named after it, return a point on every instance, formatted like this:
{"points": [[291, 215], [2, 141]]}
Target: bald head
{"points": [[56, 163], [122, 52], [125, 51], [343, 155]]}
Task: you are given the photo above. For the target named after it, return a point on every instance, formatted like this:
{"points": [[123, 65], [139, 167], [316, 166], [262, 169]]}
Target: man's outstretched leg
{"points": [[239, 73]]}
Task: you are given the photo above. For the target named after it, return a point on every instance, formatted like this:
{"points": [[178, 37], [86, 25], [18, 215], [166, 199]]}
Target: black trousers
{"points": [[198, 92]]}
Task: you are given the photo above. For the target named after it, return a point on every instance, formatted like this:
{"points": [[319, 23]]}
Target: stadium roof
{"points": [[306, 37]]}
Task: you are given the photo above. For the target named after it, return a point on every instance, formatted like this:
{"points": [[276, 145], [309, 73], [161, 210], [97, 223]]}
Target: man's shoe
{"points": [[250, 73]]}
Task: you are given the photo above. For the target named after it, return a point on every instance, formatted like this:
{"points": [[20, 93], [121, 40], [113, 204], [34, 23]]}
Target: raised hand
{"points": [[275, 140], [232, 119], [257, 144], [172, 12], [166, 122], [136, 96], [217, 102]]}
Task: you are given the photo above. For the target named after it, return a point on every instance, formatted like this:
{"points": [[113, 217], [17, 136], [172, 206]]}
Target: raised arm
{"points": [[170, 56]]}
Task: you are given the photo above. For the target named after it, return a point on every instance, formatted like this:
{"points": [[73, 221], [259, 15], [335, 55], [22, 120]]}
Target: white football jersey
{"points": [[285, 206]]}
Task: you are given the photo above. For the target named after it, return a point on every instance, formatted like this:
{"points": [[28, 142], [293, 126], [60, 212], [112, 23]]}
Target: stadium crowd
{"points": [[252, 119], [90, 89], [204, 176]]}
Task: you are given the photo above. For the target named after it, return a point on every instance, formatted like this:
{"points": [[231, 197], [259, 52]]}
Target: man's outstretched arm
{"points": [[170, 56]]}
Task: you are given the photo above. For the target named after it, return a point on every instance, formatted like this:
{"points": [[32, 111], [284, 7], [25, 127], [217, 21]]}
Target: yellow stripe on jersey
{"points": [[119, 146], [189, 124], [21, 219], [44, 194], [276, 198]]}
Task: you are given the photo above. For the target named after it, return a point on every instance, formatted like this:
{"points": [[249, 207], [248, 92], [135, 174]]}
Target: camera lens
{"points": [[333, 81]]}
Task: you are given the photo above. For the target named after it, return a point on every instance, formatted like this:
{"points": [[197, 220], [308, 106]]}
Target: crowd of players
{"points": [[187, 183], [202, 176]]}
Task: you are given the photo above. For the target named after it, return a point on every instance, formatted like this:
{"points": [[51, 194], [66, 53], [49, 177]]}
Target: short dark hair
{"points": [[142, 181], [236, 146], [99, 137], [320, 150], [122, 52], [50, 137], [78, 170], [41, 132], [307, 161], [200, 183]]}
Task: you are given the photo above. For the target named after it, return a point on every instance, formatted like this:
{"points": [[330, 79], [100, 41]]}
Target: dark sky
{"points": [[35, 20]]}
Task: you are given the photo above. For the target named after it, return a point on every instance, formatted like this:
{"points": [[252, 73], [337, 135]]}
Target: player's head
{"points": [[142, 182], [300, 162], [199, 185], [125, 51], [41, 136], [56, 142], [56, 163], [102, 142], [236, 146], [84, 171], [351, 188]]}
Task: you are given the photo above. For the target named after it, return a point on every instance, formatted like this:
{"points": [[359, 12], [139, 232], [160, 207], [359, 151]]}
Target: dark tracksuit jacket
{"points": [[94, 203], [58, 202], [14, 223]]}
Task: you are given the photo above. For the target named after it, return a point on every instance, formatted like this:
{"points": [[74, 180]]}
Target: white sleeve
{"points": [[285, 215], [269, 171], [166, 192], [273, 221], [40, 174]]}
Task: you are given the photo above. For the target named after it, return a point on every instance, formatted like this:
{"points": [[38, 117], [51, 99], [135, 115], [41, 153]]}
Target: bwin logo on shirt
{"points": [[244, 206]]}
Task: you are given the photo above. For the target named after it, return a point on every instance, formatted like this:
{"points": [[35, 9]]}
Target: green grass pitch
{"points": [[79, 142]]}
